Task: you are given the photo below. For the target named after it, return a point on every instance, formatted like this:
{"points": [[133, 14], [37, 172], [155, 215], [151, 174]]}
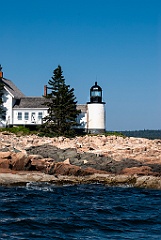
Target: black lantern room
{"points": [[96, 94]]}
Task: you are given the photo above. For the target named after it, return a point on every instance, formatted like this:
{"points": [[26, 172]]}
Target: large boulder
{"points": [[143, 170], [19, 161], [5, 155], [62, 168], [40, 164], [58, 154], [91, 171], [45, 150], [5, 163]]}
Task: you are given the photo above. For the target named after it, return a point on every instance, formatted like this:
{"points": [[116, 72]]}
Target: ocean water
{"points": [[96, 212]]}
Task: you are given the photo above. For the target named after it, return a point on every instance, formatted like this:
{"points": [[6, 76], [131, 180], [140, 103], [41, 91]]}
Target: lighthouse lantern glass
{"points": [[95, 94]]}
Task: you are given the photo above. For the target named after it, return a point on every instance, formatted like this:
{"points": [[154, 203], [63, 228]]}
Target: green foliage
{"points": [[119, 134], [20, 130], [61, 103], [150, 134]]}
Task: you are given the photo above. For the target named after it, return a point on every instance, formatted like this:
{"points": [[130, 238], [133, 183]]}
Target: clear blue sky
{"points": [[116, 42]]}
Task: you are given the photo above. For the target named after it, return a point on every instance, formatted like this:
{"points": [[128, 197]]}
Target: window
{"points": [[3, 117], [39, 115], [96, 94], [26, 116], [33, 117], [19, 116]]}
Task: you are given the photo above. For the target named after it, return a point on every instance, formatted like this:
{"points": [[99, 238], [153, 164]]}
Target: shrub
{"points": [[20, 130]]}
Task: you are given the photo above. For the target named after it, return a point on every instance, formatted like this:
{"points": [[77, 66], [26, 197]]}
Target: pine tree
{"points": [[61, 103]]}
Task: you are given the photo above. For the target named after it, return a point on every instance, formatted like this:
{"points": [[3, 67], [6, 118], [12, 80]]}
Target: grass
{"points": [[22, 131], [19, 131]]}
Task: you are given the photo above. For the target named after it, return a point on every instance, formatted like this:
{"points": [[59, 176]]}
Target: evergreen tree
{"points": [[61, 103]]}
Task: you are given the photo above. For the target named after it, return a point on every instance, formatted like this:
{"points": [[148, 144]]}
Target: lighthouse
{"points": [[96, 111]]}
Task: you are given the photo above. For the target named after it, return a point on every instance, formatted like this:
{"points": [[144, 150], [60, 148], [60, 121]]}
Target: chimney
{"points": [[1, 73], [45, 90]]}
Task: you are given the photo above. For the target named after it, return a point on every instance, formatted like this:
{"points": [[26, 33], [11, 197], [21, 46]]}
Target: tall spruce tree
{"points": [[61, 103]]}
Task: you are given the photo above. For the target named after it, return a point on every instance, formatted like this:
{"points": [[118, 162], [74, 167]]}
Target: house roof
{"points": [[37, 102], [30, 102], [82, 107], [9, 85]]}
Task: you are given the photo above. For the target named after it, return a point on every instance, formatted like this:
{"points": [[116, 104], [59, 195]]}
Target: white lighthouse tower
{"points": [[96, 122]]}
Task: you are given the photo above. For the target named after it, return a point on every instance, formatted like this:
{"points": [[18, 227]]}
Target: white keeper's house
{"points": [[27, 111]]}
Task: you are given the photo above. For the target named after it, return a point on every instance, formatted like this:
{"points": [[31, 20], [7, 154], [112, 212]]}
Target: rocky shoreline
{"points": [[22, 178], [110, 160]]}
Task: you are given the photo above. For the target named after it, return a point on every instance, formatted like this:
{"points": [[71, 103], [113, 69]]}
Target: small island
{"points": [[111, 160], [72, 145]]}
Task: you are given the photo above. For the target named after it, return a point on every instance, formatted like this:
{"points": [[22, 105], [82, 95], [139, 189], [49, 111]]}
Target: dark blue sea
{"points": [[97, 212]]}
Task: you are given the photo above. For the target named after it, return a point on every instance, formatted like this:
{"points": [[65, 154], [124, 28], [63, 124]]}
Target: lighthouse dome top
{"points": [[96, 94], [96, 87]]}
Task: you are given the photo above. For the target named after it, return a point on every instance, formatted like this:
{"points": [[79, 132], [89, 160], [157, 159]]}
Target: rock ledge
{"points": [[22, 178]]}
